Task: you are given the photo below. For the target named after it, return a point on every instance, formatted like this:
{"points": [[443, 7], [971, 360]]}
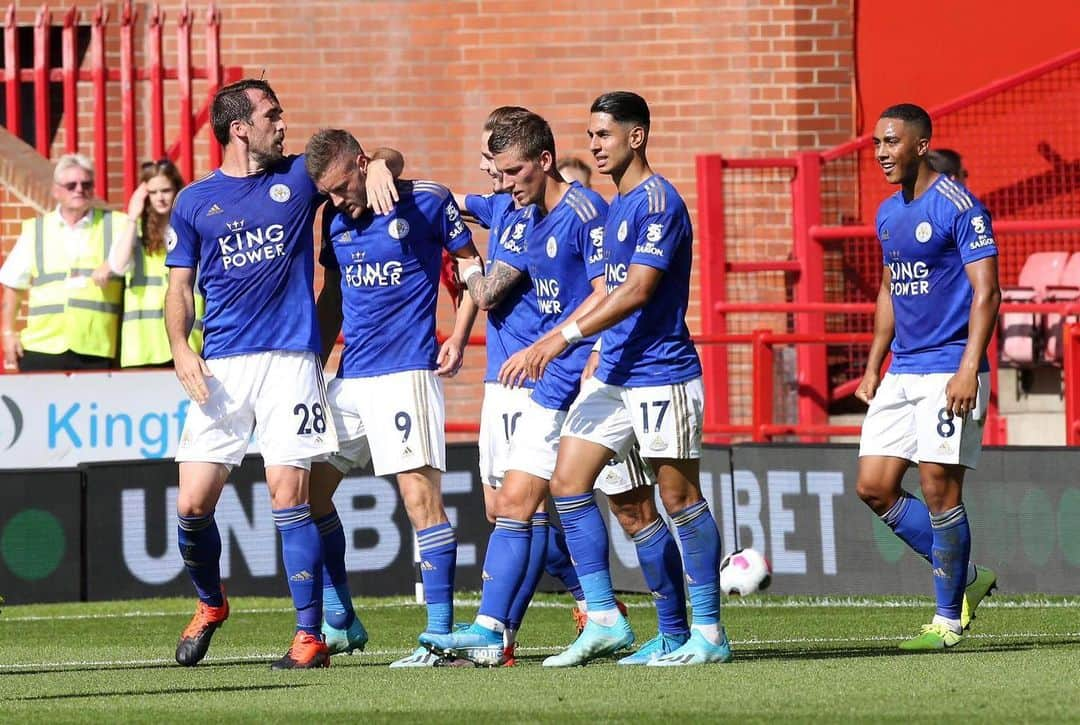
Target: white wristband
{"points": [[572, 333], [472, 272]]}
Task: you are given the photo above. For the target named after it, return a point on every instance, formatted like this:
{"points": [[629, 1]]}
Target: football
{"points": [[743, 572]]}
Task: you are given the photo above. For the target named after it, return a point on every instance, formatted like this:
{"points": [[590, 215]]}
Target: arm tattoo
{"points": [[488, 290]]}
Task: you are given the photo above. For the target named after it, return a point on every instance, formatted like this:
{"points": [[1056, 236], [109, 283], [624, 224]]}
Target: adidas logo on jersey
{"points": [[215, 209]]}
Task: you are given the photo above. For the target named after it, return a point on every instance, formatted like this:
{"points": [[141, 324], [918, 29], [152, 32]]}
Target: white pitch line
{"points": [[245, 659], [746, 603]]}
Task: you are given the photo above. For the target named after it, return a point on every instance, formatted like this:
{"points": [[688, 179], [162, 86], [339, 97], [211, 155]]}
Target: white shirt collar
{"points": [[86, 220]]}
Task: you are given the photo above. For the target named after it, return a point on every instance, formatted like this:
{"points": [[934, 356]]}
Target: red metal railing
{"points": [[100, 76], [782, 237]]}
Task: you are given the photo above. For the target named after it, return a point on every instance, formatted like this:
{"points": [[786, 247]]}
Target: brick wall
{"points": [[740, 77]]}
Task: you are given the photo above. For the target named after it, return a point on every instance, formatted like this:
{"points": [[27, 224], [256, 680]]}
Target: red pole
{"points": [[183, 72], [1071, 364], [99, 73], [813, 374], [157, 85], [762, 371], [127, 96], [214, 74], [12, 80], [997, 432], [71, 77], [42, 111], [712, 253]]}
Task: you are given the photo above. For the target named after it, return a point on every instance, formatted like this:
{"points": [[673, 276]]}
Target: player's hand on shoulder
{"points": [[451, 356], [868, 386], [192, 371], [381, 188]]}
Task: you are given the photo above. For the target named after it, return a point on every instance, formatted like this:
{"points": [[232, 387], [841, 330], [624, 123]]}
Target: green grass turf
{"points": [[796, 659]]}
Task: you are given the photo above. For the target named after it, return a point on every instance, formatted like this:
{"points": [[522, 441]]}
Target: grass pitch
{"points": [[796, 659]]}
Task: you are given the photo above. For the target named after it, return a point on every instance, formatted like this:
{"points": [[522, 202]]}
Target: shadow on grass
{"points": [[891, 650], [167, 691], [121, 667]]}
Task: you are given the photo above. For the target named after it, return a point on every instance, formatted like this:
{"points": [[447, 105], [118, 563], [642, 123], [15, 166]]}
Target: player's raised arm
{"points": [[458, 241], [884, 329]]}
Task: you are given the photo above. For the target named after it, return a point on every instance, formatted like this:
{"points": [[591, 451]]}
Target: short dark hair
{"points": [[232, 103], [625, 107], [945, 161], [573, 162], [327, 146], [505, 114], [910, 113], [530, 133]]}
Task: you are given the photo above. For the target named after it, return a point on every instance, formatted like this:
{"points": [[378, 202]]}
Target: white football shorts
{"points": [[626, 475], [395, 420], [665, 420], [278, 396], [502, 409], [907, 419]]}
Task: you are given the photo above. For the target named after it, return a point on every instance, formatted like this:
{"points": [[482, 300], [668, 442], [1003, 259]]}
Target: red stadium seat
{"points": [[1068, 288], [1021, 332]]}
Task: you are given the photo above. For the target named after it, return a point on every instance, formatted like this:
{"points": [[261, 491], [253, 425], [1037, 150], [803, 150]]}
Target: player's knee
{"points": [[193, 506], [678, 498], [632, 516]]}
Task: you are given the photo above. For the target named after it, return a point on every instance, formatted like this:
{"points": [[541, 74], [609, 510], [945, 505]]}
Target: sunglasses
{"points": [[159, 164], [73, 185]]}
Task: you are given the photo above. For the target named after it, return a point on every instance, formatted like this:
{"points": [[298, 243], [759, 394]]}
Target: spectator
{"points": [[948, 162], [73, 319], [140, 258], [574, 169]]}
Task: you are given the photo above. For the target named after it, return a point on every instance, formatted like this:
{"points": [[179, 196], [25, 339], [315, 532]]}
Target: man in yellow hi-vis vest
{"points": [[72, 322]]}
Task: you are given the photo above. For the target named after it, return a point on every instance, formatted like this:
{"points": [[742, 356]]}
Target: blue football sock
{"points": [[910, 520], [701, 560], [587, 541], [533, 571], [337, 601], [557, 562], [949, 557], [200, 548], [507, 559], [661, 563], [438, 562], [301, 552]]}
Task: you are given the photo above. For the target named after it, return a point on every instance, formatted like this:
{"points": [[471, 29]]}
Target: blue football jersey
{"points": [[390, 279], [650, 225], [563, 253], [925, 244], [252, 242], [515, 323]]}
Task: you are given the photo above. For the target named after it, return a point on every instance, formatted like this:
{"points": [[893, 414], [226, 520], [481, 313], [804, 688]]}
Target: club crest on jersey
{"points": [[622, 231], [170, 238], [280, 193], [398, 228], [552, 247], [923, 232]]}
